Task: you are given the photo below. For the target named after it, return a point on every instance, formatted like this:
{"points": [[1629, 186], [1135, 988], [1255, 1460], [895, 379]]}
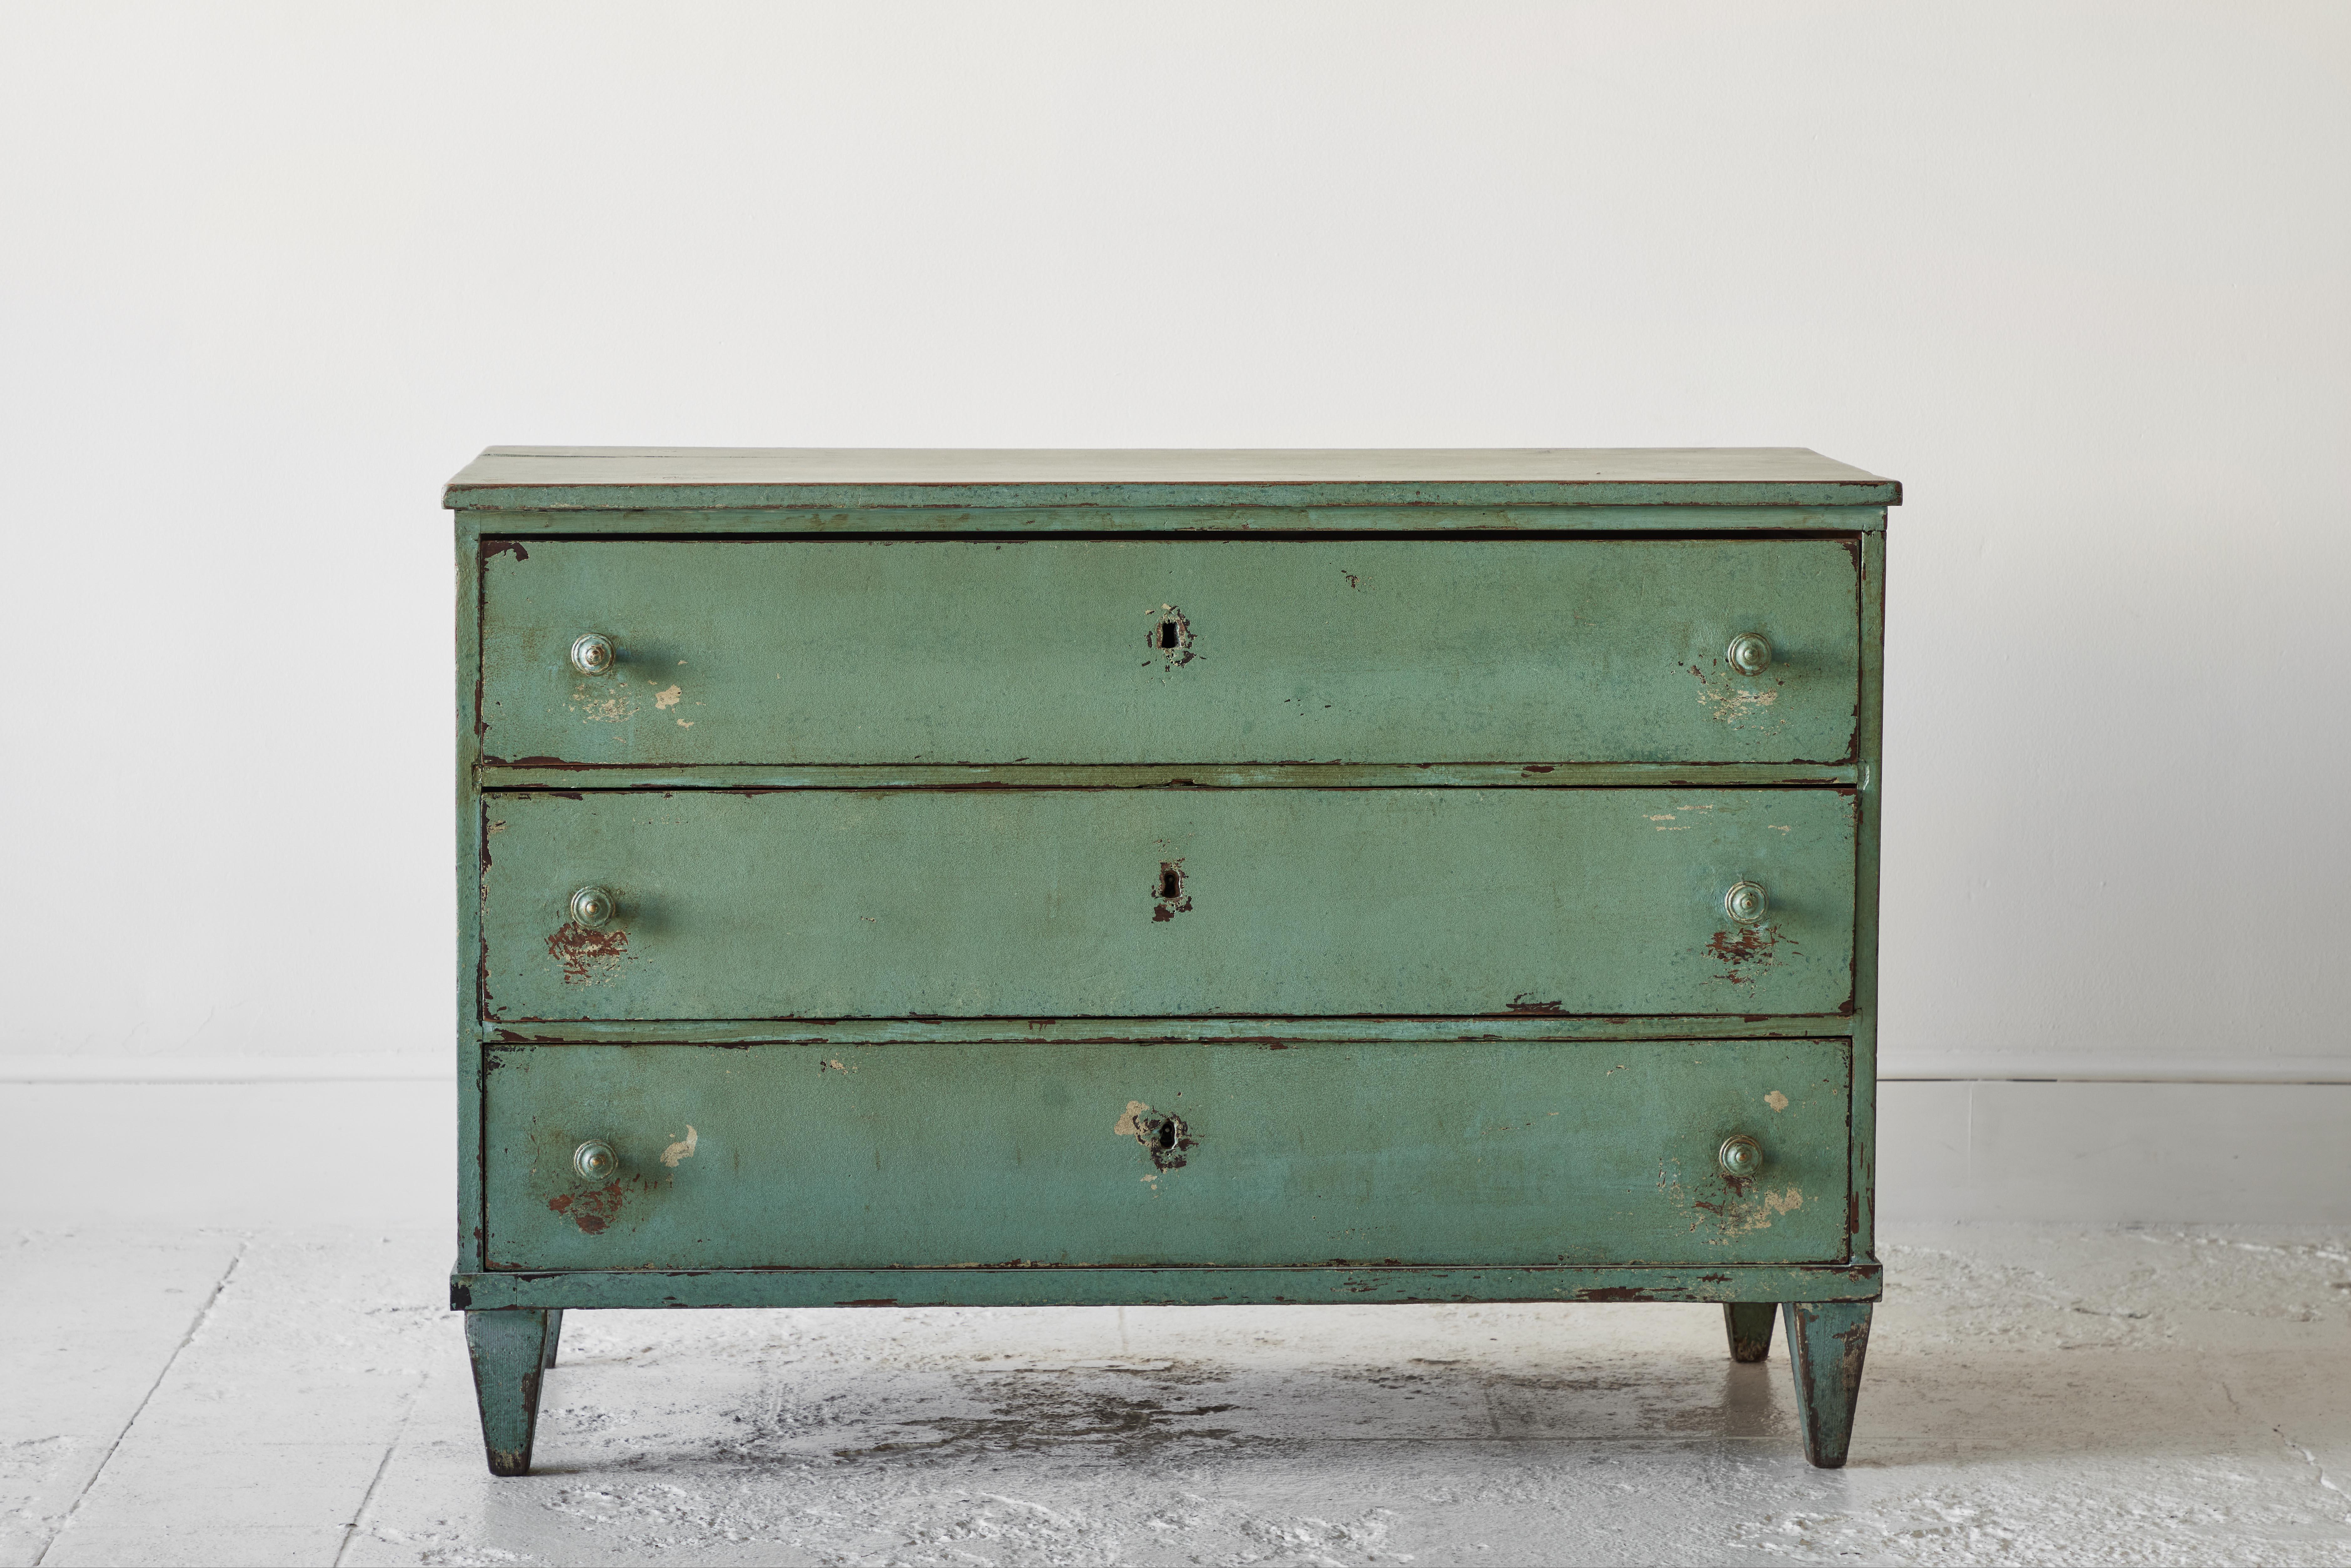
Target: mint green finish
{"points": [[829, 903], [815, 485], [727, 520], [570, 775], [1047, 652], [1827, 1343], [511, 1351], [1748, 1326], [1360, 1153], [654, 1288], [1445, 970]]}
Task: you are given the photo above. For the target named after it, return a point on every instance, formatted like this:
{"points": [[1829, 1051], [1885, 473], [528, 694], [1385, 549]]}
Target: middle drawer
{"points": [[1163, 903]]}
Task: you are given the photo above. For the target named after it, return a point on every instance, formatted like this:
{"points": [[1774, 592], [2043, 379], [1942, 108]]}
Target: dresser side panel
{"points": [[467, 890], [1870, 725]]}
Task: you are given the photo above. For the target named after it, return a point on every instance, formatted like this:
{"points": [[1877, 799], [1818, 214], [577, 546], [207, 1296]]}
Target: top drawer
{"points": [[1169, 651]]}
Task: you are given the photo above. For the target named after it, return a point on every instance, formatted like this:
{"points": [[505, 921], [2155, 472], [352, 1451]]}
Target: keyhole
{"points": [[1168, 633], [1171, 881], [1168, 1133]]}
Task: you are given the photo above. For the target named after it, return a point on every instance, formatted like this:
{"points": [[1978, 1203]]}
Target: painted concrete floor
{"points": [[2034, 1394]]}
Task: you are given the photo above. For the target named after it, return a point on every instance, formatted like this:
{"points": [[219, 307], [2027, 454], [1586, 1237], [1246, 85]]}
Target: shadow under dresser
{"points": [[899, 878]]}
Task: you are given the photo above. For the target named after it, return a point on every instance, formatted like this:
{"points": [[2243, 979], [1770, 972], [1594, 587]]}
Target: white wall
{"points": [[2076, 274]]}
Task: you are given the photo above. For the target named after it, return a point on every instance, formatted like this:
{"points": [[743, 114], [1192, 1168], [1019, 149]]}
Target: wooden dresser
{"points": [[893, 878]]}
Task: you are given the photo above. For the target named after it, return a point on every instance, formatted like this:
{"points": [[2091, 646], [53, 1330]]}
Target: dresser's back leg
{"points": [[554, 1332], [511, 1350], [1826, 1343], [1748, 1325]]}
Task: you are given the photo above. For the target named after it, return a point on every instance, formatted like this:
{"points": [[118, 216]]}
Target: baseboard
{"points": [[406, 1067], [290, 1153], [2116, 1153]]}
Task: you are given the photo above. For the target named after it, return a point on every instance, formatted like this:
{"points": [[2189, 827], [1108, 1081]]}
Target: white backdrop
{"points": [[2079, 274]]}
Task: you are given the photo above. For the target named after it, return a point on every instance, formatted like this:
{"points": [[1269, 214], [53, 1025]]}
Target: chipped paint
{"points": [[682, 1149], [667, 698], [591, 1210], [604, 705], [1744, 952], [1164, 1135], [1777, 1101], [589, 956], [1169, 637], [1728, 697], [1172, 898]]}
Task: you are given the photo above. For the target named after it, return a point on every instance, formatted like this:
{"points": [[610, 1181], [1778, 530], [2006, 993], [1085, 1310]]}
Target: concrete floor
{"points": [[2035, 1394]]}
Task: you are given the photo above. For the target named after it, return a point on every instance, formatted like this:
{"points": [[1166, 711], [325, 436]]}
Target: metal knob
{"points": [[1746, 903], [595, 1161], [592, 907], [1750, 653], [592, 655], [1740, 1156]]}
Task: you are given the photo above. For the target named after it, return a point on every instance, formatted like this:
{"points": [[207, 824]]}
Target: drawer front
{"points": [[875, 1156], [1099, 902], [815, 652]]}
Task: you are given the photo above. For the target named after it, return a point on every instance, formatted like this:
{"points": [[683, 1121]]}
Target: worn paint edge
{"points": [[1861, 1141], [1095, 502], [539, 774], [1158, 1031], [473, 1218], [1081, 1287]]}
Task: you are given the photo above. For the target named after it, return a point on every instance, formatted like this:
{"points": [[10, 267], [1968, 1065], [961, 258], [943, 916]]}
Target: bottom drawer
{"points": [[1240, 1155]]}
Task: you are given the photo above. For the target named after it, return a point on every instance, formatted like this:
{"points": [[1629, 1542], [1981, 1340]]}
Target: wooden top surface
{"points": [[693, 477]]}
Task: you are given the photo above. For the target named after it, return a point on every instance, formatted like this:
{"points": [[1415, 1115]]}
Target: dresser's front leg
{"points": [[511, 1349], [1826, 1343], [1749, 1326]]}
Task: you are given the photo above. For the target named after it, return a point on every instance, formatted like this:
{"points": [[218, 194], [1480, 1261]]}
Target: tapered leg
{"points": [[1749, 1324], [554, 1332], [1826, 1343], [510, 1351]]}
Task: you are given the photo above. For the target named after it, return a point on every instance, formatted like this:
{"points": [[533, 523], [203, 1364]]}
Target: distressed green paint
{"points": [[609, 478], [1152, 1031], [651, 1288], [1332, 904], [826, 903], [1164, 776], [1869, 798], [511, 1350], [1748, 1326], [469, 858], [1367, 651], [730, 520], [1057, 1155], [1827, 1343]]}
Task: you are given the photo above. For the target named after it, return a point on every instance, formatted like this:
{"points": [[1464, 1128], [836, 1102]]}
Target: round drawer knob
{"points": [[595, 1161], [592, 907], [593, 655], [1740, 1156], [1749, 655], [1746, 903]]}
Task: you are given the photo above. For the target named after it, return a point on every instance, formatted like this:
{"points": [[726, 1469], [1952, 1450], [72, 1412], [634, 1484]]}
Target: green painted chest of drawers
{"points": [[901, 878]]}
